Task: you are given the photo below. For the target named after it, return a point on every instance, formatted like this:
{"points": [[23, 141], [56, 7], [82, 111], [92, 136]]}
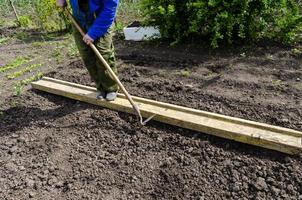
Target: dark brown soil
{"points": [[56, 148]]}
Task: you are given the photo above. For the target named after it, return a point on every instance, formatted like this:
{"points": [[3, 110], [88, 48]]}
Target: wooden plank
{"points": [[264, 135]]}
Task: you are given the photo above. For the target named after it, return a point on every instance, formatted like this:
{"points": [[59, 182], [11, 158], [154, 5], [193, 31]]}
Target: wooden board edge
{"points": [[249, 140], [281, 130]]}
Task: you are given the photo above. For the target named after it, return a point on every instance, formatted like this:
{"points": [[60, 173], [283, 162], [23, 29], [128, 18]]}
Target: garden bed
{"points": [[53, 147]]}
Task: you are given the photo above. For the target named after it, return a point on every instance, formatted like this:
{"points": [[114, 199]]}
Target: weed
{"points": [[296, 52], [57, 53], [37, 44], [269, 57], [19, 86], [210, 75], [277, 82], [185, 72], [2, 22], [4, 40], [18, 89], [22, 35], [25, 21], [129, 11], [22, 71], [231, 66], [119, 26], [13, 64], [15, 102], [32, 78], [243, 55], [72, 50]]}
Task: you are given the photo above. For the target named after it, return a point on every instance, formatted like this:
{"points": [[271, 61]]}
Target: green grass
{"points": [[13, 64], [22, 71]]}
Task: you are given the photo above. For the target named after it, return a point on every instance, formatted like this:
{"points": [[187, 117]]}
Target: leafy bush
{"points": [[43, 14], [49, 16], [225, 20], [25, 21]]}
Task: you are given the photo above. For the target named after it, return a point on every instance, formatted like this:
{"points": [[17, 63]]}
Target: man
{"points": [[96, 18]]}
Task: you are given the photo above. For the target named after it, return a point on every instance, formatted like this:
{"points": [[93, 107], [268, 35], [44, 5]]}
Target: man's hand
{"points": [[61, 3], [87, 39]]}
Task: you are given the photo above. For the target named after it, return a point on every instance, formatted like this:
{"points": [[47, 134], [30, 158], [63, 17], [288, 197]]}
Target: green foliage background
{"points": [[45, 15], [42, 14], [225, 20]]}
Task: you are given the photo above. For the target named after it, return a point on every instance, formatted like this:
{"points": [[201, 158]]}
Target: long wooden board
{"points": [[263, 135]]}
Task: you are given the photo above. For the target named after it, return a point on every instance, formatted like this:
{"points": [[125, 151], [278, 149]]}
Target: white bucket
{"points": [[141, 33]]}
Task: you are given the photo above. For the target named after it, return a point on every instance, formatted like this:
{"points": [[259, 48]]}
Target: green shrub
{"points": [[225, 20], [25, 21], [50, 17], [42, 14]]}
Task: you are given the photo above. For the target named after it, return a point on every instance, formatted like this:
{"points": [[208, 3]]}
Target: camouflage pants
{"points": [[97, 71]]}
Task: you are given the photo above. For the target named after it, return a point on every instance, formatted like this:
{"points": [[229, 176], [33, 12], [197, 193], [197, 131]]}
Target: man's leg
{"points": [[89, 58], [105, 46]]}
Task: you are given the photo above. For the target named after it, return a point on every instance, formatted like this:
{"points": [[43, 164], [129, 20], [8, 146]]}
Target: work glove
{"points": [[61, 3]]}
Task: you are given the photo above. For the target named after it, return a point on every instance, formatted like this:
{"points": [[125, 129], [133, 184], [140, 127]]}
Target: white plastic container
{"points": [[135, 32]]}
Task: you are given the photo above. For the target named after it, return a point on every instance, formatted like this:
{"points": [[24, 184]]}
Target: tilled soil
{"points": [[52, 147]]}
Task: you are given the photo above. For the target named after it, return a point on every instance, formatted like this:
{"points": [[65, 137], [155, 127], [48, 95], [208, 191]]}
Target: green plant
{"points": [[14, 64], [243, 55], [19, 86], [185, 72], [128, 11], [4, 40], [269, 57], [14, 103], [50, 17], [31, 79], [37, 44], [18, 89], [296, 52], [119, 26], [73, 51], [57, 53], [2, 22], [277, 82], [225, 21], [21, 35], [25, 21], [22, 71], [43, 14]]}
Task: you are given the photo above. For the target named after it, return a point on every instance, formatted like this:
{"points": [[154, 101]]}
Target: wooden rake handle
{"points": [[111, 72]]}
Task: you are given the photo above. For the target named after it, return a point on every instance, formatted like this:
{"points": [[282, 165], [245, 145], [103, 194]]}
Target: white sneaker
{"points": [[101, 95], [111, 96]]}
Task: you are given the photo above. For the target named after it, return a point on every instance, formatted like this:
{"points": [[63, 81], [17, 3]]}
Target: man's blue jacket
{"points": [[99, 18]]}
